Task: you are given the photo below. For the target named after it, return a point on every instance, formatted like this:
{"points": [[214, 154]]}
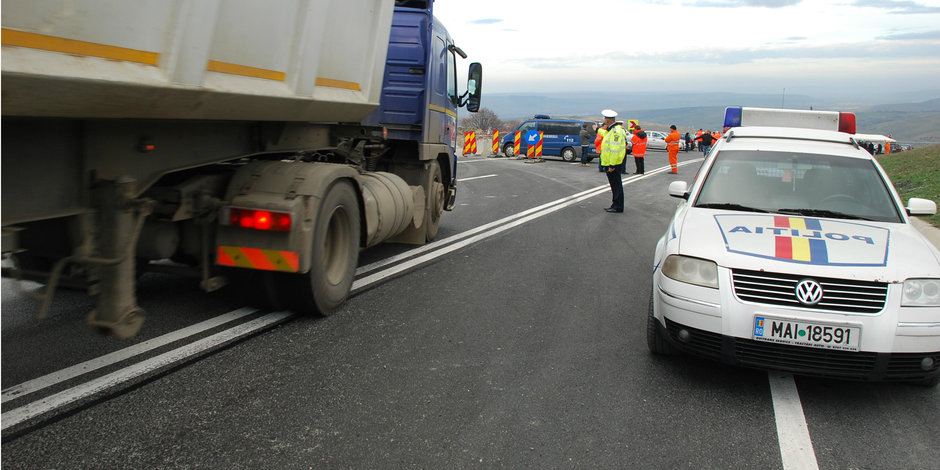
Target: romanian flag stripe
{"points": [[810, 250], [256, 258]]}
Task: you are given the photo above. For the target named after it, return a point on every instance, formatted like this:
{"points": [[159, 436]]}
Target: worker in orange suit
{"points": [[672, 146], [639, 140]]}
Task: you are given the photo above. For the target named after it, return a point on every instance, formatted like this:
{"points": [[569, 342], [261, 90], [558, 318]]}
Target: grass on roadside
{"points": [[915, 173]]}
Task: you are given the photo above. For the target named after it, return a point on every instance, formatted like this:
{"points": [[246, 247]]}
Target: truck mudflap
{"points": [[451, 199]]}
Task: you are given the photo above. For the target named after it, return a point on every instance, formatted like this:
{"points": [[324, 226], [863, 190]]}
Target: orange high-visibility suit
{"points": [[672, 146], [639, 150]]}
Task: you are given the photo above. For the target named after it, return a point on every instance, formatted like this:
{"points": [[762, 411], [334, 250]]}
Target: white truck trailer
{"points": [[219, 138]]}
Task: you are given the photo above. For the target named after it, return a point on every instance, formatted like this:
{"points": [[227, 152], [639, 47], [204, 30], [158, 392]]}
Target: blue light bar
{"points": [[732, 117]]}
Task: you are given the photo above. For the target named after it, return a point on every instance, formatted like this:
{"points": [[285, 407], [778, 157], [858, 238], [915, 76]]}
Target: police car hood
{"points": [[850, 249]]}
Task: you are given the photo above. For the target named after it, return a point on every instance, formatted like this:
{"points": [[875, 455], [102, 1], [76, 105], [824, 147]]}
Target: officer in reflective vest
{"points": [[613, 149], [639, 140], [672, 146]]}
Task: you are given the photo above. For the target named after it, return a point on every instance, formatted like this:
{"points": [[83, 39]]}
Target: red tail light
{"points": [[259, 219]]}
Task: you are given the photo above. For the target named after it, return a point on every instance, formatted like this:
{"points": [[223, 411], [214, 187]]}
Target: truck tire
{"points": [[509, 149], [334, 255], [435, 203], [567, 154]]}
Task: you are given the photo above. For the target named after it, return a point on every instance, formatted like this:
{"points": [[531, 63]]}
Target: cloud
{"points": [[926, 35], [900, 7], [868, 51], [795, 51], [487, 21], [743, 3]]}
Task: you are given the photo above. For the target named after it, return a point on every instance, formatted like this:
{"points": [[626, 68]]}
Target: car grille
{"points": [[802, 360], [839, 295]]}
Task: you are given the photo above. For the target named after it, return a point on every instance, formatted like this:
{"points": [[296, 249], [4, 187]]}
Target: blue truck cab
{"points": [[560, 137], [420, 97]]}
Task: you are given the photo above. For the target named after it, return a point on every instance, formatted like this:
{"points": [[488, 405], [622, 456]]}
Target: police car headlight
{"points": [[921, 293], [691, 270]]}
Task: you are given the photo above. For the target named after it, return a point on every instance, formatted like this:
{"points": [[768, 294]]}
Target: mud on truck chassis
{"points": [[222, 138]]}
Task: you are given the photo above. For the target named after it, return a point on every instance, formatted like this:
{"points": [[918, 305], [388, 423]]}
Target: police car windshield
{"points": [[796, 183]]}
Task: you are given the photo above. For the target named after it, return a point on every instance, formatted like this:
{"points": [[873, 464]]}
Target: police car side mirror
{"points": [[679, 189], [918, 206]]}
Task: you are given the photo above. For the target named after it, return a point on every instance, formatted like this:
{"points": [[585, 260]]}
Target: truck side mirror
{"points": [[474, 86]]}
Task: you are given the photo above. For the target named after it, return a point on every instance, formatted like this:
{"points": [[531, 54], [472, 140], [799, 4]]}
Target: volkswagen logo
{"points": [[809, 292]]}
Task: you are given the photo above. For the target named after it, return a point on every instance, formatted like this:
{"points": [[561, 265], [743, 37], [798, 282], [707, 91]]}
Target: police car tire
{"points": [[509, 149], [655, 341], [567, 154]]}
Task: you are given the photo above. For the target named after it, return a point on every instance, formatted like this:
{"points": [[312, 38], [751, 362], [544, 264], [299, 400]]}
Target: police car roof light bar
{"points": [[738, 116], [847, 123]]}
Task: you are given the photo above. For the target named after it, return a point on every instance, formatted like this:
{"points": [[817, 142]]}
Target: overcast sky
{"points": [[810, 47]]}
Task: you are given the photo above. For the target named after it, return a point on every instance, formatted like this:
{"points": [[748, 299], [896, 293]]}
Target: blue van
{"points": [[560, 138]]}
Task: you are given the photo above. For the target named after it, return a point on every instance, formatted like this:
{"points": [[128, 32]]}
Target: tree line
{"points": [[485, 121]]}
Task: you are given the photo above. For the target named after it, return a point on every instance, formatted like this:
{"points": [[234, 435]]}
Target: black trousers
{"points": [[639, 165], [616, 187]]}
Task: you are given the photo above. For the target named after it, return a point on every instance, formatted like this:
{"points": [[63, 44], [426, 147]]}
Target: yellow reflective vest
{"points": [[614, 146]]}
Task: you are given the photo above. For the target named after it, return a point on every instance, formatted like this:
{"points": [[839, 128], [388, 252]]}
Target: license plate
{"points": [[810, 334]]}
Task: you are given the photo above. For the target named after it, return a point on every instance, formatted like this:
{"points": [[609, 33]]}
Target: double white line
{"points": [[395, 265]]}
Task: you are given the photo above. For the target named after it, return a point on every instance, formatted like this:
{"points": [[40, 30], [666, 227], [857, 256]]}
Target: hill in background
{"points": [[916, 123]]}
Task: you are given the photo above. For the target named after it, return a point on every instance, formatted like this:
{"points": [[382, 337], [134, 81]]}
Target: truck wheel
{"points": [[567, 154], [654, 338], [334, 255], [435, 204], [509, 149]]}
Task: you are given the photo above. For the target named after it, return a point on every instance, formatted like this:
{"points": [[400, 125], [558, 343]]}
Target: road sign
{"points": [[532, 137]]}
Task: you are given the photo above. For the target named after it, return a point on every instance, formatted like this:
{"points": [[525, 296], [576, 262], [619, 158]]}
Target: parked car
{"points": [[655, 140], [560, 137]]}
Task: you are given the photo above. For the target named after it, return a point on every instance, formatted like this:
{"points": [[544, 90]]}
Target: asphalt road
{"points": [[515, 341]]}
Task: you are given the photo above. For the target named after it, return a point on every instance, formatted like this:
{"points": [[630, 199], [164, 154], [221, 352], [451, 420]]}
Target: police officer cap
{"points": [[609, 113]]}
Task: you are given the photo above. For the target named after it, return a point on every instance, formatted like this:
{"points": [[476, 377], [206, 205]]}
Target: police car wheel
{"points": [[567, 154], [509, 150]]}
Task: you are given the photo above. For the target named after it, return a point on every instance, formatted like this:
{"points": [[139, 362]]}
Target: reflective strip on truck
{"points": [[244, 70], [257, 258], [441, 109], [333, 83], [71, 46]]}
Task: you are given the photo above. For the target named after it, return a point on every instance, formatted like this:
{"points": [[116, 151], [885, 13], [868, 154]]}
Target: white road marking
{"points": [[796, 447], [87, 389], [459, 180], [110, 359]]}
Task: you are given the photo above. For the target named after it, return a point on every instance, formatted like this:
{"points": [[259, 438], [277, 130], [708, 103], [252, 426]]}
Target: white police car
{"points": [[792, 251]]}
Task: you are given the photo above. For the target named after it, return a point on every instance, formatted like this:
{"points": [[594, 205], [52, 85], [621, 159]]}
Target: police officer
{"points": [[613, 149]]}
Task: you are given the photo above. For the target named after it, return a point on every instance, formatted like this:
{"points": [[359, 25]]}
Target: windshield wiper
{"points": [[821, 213], [729, 206]]}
